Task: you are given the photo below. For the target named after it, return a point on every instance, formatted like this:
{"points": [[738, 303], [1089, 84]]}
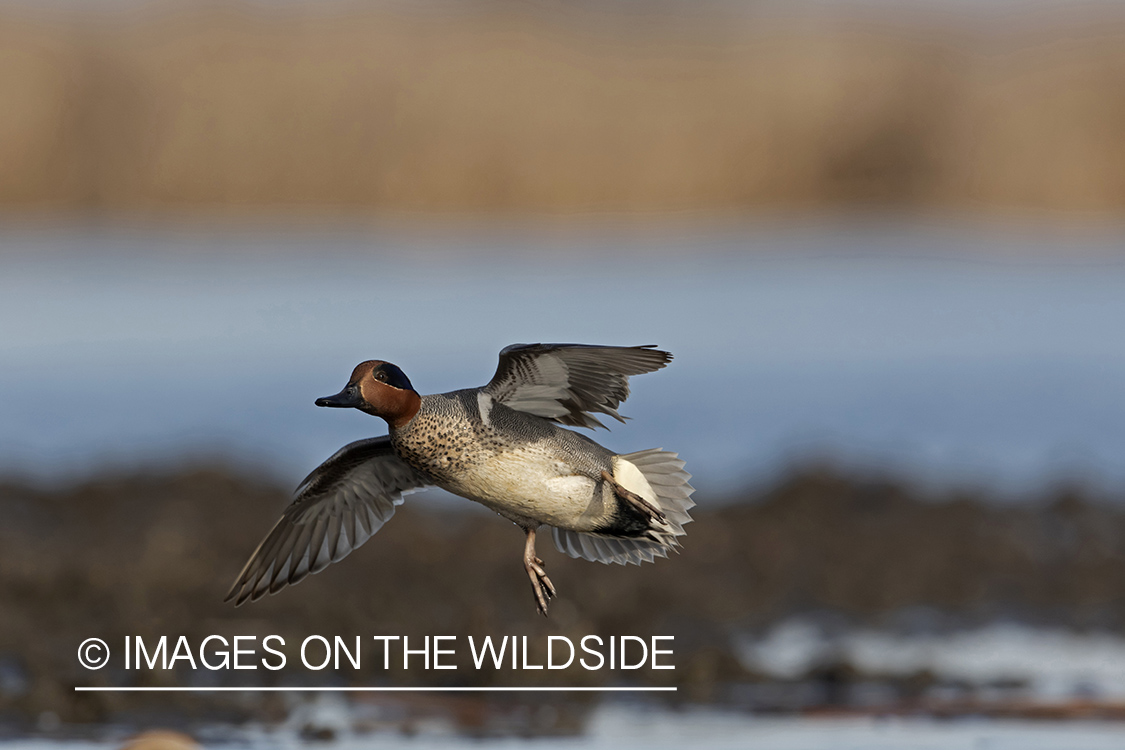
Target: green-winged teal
{"points": [[500, 445]]}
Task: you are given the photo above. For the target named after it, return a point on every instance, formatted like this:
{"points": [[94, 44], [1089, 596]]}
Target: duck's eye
{"points": [[381, 376]]}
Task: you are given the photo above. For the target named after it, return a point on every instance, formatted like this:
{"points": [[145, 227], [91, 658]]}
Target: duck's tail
{"points": [[658, 476]]}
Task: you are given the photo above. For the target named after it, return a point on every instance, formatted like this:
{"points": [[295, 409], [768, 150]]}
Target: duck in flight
{"points": [[504, 446]]}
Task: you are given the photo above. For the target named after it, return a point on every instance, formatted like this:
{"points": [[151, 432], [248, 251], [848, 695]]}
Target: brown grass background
{"points": [[511, 107]]}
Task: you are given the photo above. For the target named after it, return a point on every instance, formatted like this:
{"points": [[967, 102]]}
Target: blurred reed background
{"points": [[884, 242], [561, 107]]}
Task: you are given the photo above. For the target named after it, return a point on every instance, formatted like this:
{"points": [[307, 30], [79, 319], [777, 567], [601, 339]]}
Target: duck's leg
{"points": [[541, 585], [635, 500]]}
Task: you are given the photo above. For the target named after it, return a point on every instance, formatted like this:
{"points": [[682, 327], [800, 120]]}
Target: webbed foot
{"points": [[541, 585]]}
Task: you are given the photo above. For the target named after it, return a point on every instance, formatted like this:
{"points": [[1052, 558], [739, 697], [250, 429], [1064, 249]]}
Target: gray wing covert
{"points": [[337, 508], [568, 383]]}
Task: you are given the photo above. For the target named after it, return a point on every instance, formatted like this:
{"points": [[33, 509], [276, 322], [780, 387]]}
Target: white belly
{"points": [[529, 485]]}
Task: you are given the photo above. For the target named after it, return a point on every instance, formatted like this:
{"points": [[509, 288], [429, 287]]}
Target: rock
{"points": [[161, 739]]}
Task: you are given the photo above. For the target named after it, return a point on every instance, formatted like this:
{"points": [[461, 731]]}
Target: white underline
{"points": [[375, 689]]}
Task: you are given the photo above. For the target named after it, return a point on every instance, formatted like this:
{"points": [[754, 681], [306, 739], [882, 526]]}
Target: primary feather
{"points": [[338, 507]]}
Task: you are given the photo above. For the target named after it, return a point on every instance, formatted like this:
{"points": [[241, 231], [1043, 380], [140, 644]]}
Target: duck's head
{"points": [[380, 389]]}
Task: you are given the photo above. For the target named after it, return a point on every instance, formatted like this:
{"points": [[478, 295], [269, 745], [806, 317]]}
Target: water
{"points": [[1042, 664], [947, 354], [627, 727]]}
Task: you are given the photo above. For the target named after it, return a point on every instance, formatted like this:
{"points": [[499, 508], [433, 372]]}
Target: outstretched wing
{"points": [[567, 383], [338, 507]]}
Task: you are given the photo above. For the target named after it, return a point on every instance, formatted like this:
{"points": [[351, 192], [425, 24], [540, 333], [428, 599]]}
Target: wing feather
{"points": [[338, 507], [570, 383]]}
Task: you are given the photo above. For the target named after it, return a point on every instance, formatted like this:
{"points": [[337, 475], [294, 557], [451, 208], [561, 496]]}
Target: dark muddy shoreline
{"points": [[153, 555]]}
